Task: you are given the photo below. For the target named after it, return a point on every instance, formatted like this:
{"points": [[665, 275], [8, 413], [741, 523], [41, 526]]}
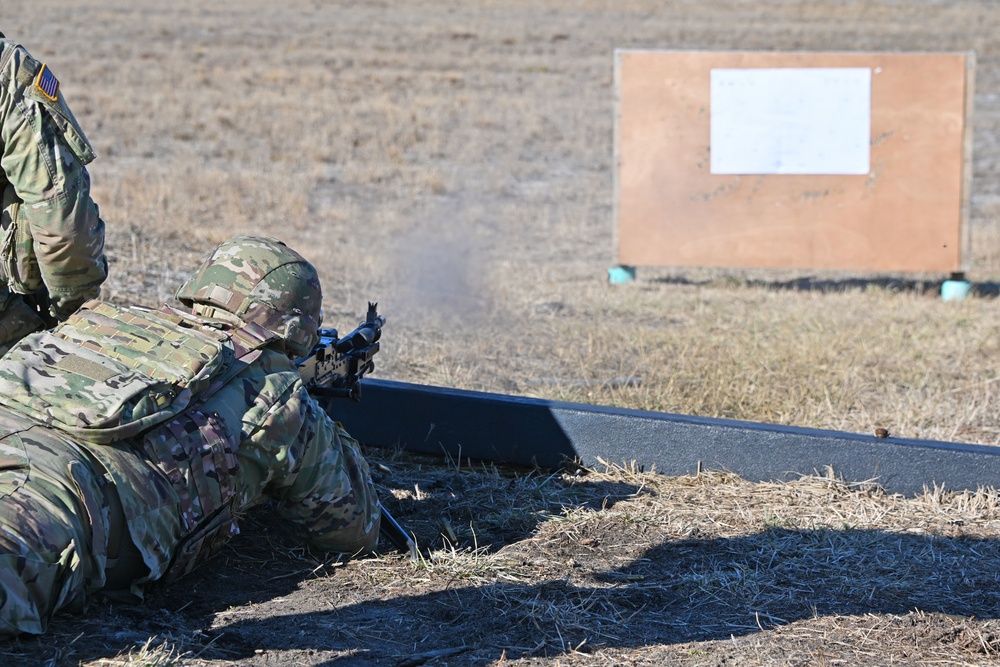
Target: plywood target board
{"points": [[857, 161]]}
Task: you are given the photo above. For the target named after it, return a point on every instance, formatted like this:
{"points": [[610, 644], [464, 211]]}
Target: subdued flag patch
{"points": [[48, 83]]}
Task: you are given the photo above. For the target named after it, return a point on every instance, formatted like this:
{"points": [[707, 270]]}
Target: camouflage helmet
{"points": [[260, 280]]}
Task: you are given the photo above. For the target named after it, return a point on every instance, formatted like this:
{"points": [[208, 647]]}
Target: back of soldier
{"points": [[170, 488], [129, 440]]}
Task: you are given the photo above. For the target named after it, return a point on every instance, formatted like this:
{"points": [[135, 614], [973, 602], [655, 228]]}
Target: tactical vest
{"points": [[110, 374]]}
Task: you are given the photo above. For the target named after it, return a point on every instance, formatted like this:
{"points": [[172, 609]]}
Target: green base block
{"points": [[620, 275]]}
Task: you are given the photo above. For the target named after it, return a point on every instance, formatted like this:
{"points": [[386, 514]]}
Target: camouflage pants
{"points": [[17, 319], [54, 526]]}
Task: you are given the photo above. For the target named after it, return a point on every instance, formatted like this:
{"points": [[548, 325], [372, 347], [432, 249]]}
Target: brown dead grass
{"points": [[628, 567], [454, 163]]}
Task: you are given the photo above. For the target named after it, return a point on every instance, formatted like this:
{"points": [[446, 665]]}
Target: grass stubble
{"points": [[454, 162], [719, 569]]}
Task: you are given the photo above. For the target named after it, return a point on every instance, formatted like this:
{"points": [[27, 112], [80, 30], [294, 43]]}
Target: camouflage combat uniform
{"points": [[53, 235], [128, 430]]}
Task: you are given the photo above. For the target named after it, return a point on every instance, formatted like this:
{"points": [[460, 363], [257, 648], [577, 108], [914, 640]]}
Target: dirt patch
{"points": [[589, 567]]}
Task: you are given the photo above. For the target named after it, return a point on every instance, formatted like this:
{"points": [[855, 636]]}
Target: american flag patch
{"points": [[48, 83]]}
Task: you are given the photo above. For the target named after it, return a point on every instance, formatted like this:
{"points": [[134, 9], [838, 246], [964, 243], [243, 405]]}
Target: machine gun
{"points": [[336, 365], [334, 369]]}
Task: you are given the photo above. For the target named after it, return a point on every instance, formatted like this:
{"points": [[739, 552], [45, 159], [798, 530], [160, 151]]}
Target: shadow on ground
{"points": [[680, 591], [834, 285], [269, 563]]}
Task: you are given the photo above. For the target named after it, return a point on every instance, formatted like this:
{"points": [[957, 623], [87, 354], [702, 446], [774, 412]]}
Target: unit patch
{"points": [[48, 83]]}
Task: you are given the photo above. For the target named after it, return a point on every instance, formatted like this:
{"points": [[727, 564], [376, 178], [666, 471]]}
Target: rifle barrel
{"points": [[396, 535]]}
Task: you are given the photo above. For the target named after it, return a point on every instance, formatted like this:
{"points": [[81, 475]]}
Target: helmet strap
{"points": [[214, 313]]}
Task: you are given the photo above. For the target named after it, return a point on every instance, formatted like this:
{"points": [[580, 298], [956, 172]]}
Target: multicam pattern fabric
{"points": [[108, 373], [53, 524], [198, 455], [53, 234], [254, 437], [260, 280], [17, 319]]}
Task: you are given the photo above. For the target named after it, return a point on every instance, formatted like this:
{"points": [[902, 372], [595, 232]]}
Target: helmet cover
{"points": [[261, 280]]}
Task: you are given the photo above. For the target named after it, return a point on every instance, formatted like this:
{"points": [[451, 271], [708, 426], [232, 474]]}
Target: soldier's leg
{"points": [[51, 553]]}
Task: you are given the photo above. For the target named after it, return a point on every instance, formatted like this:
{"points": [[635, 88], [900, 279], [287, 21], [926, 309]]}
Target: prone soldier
{"points": [[52, 248], [131, 440]]}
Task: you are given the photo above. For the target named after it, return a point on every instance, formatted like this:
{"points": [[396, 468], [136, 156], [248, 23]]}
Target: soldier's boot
{"points": [[17, 320]]}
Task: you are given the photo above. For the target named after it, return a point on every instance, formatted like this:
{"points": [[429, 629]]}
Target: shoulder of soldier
{"points": [[7, 44], [14, 60]]}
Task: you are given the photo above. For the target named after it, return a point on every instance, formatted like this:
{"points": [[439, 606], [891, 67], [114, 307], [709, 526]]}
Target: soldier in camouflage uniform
{"points": [[131, 440], [53, 236]]}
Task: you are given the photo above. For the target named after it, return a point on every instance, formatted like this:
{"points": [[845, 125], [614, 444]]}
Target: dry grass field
{"points": [[453, 160]]}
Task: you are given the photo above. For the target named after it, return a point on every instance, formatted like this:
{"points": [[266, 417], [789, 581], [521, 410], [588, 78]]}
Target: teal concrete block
{"points": [[955, 290], [620, 275]]}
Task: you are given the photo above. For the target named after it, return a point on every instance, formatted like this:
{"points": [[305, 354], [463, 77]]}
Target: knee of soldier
{"points": [[40, 565], [32, 589]]}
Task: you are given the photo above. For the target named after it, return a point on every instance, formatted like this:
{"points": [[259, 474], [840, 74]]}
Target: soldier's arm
{"points": [[331, 495], [314, 470], [45, 154]]}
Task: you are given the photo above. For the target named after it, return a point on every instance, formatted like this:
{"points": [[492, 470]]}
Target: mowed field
{"points": [[454, 161]]}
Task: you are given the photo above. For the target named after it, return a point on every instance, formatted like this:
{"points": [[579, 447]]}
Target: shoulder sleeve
{"points": [[44, 158]]}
